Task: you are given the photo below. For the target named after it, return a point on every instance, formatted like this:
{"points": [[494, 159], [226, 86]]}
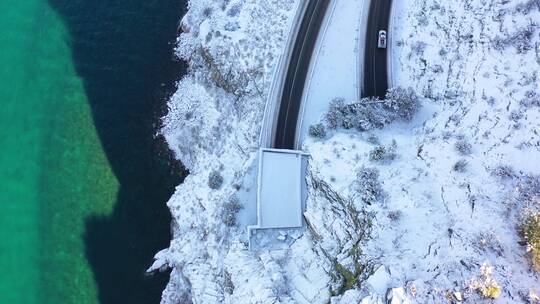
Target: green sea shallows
{"points": [[53, 171]]}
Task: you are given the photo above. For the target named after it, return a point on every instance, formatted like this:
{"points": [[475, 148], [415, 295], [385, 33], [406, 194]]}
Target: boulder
{"points": [[397, 296]]}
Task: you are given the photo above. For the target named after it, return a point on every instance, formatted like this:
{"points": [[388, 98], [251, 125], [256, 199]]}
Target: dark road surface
{"points": [[296, 74], [375, 66], [375, 69]]}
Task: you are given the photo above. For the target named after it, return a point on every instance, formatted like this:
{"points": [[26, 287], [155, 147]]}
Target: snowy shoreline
{"points": [[446, 224]]}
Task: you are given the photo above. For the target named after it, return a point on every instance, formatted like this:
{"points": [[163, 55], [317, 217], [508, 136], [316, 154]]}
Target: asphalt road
{"points": [[375, 66], [296, 74]]}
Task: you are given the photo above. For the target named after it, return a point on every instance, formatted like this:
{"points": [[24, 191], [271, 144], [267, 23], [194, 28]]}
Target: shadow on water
{"points": [[122, 49]]}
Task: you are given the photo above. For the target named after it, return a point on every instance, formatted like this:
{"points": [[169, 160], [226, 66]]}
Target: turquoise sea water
{"points": [[83, 181]]}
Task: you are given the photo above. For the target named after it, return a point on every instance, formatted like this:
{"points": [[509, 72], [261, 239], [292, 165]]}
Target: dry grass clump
{"points": [[531, 233], [486, 286]]}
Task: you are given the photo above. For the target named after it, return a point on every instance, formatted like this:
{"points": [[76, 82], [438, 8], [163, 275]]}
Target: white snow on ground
{"points": [[336, 63], [436, 227], [213, 126], [427, 237]]}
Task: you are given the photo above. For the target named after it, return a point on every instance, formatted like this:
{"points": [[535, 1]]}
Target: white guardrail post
{"points": [[389, 55], [361, 45]]}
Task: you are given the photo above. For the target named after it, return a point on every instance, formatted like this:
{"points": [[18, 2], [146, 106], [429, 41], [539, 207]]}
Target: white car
{"points": [[381, 42]]}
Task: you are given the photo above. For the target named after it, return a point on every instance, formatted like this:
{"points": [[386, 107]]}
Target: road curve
{"points": [[297, 70], [375, 65]]}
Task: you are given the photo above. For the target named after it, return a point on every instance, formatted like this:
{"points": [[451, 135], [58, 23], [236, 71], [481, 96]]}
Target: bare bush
{"points": [[463, 147], [489, 241], [228, 285], [418, 48], [384, 153], [372, 139], [395, 215], [207, 12], [234, 10], [230, 210], [317, 131], [516, 116], [460, 166], [504, 172], [529, 191]]}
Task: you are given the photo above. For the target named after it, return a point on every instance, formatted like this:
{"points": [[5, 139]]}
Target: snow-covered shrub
{"points": [[372, 139], [526, 7], [531, 233], [350, 274], [404, 102], [368, 114], [529, 192], [463, 147], [504, 172], [516, 116], [446, 135], [489, 241], [333, 115], [373, 113], [340, 114], [486, 286], [418, 48], [521, 39], [207, 12], [460, 166], [317, 130], [215, 180], [378, 153], [437, 69], [532, 297], [532, 99], [228, 285], [234, 10], [383, 153], [337, 113], [368, 185], [230, 210], [395, 215], [232, 26]]}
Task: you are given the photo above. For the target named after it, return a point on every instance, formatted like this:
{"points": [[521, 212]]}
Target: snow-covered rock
{"points": [[380, 280], [397, 296], [372, 299]]}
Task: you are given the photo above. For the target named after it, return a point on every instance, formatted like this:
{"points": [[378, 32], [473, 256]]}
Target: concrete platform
{"points": [[281, 189]]}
